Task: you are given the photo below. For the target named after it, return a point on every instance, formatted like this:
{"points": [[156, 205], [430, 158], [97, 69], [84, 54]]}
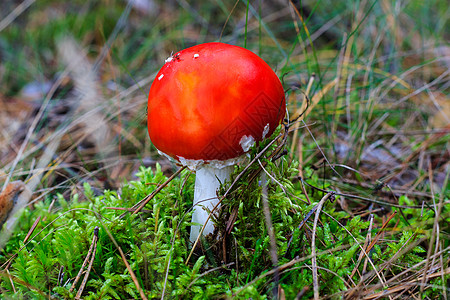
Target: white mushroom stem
{"points": [[207, 181]]}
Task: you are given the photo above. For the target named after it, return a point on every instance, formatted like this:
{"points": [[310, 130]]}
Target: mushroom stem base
{"points": [[207, 181]]}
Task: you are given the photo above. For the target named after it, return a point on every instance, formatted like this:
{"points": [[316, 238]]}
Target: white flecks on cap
{"points": [[196, 55], [246, 142], [169, 59], [160, 76], [265, 131]]}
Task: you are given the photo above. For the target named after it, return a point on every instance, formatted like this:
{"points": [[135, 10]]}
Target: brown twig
{"points": [[127, 209], [313, 245], [86, 275], [92, 250], [33, 227], [302, 223], [133, 276], [140, 205], [299, 115], [383, 227], [270, 231], [11, 281], [406, 285], [27, 237], [366, 243], [26, 284], [435, 230]]}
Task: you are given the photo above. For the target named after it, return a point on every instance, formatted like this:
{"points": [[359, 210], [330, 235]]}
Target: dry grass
{"points": [[368, 103]]}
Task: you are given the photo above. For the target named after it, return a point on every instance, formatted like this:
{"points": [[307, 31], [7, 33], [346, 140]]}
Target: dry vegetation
{"points": [[367, 91]]}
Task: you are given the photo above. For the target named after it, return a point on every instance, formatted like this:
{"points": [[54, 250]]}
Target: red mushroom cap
{"points": [[212, 101]]}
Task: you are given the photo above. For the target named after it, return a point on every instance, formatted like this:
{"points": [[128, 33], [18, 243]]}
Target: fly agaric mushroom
{"points": [[207, 106]]}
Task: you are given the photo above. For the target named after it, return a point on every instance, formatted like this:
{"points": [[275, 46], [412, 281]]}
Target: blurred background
{"points": [[366, 84]]}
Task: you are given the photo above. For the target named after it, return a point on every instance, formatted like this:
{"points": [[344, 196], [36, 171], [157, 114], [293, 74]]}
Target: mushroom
{"points": [[208, 105]]}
